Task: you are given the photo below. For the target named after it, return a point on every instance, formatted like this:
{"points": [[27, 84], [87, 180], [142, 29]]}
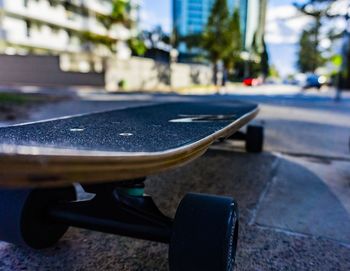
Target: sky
{"points": [[283, 28], [156, 12]]}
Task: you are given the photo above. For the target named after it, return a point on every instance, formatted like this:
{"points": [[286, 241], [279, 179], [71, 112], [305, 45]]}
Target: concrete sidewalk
{"points": [[294, 198], [281, 229]]}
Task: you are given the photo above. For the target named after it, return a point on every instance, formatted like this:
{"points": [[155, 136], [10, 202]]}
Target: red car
{"points": [[250, 81]]}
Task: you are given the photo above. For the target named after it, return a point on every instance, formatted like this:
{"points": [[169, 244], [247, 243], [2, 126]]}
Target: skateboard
{"points": [[109, 154]]}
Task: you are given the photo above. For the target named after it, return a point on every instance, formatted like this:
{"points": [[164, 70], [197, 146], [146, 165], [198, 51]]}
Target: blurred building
{"points": [[191, 16], [252, 19], [61, 27]]}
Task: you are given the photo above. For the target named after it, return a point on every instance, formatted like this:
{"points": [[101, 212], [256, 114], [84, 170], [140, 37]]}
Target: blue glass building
{"points": [[191, 16]]}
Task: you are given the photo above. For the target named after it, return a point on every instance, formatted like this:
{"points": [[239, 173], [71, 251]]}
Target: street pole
{"points": [[345, 51], [174, 53]]}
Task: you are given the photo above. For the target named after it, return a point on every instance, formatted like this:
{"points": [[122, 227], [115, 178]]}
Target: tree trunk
{"points": [[215, 73], [224, 77]]}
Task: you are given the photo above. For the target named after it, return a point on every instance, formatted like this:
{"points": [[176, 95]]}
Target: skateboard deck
{"points": [[121, 145], [115, 145]]}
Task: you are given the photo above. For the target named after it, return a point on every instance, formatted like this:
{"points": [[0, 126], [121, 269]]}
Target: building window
{"points": [[28, 28], [54, 29], [53, 3], [69, 10]]}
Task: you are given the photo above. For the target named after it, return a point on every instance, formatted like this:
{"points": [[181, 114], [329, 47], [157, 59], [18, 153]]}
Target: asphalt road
{"points": [[294, 198]]}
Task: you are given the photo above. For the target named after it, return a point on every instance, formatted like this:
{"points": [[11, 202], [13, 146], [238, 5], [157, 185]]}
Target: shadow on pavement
{"points": [[289, 218]]}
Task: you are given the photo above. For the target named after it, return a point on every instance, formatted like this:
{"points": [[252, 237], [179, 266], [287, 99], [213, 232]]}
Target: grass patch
{"points": [[20, 98], [17, 105], [10, 98]]}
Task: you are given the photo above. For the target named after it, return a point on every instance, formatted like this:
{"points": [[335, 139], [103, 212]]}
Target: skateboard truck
{"points": [[203, 224], [117, 209], [114, 146], [254, 138]]}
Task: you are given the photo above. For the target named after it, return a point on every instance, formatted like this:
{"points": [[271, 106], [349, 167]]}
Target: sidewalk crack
{"points": [[271, 180]]}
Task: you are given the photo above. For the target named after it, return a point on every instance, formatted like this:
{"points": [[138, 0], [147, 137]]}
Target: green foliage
{"points": [[273, 72], [137, 46], [155, 37], [193, 40], [87, 36], [122, 84], [309, 56], [222, 37], [264, 60], [10, 98], [215, 34], [336, 60], [233, 44], [316, 8], [21, 98], [175, 38], [222, 41], [254, 68], [119, 14]]}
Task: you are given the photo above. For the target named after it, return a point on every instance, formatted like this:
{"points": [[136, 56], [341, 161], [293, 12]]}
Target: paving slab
{"points": [[300, 201], [312, 131], [266, 249], [272, 237], [244, 176]]}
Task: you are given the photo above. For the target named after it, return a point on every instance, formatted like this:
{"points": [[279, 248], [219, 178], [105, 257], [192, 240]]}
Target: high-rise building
{"points": [[59, 26], [253, 15], [191, 16]]}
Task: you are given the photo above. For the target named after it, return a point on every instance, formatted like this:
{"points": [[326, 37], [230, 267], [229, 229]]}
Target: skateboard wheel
{"points": [[254, 138], [24, 219], [205, 234]]}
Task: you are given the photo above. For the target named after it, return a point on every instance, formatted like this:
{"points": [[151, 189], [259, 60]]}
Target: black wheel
{"points": [[254, 139], [205, 234], [24, 219]]}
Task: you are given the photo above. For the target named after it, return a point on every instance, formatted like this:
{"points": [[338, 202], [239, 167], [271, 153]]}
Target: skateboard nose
{"points": [[76, 129], [205, 118], [126, 134]]}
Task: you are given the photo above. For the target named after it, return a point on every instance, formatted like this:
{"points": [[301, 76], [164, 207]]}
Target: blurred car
{"points": [[250, 81], [291, 81], [314, 81]]}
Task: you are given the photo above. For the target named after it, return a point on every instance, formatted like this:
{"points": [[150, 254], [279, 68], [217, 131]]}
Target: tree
{"points": [[273, 72], [137, 46], [316, 8], [215, 35], [194, 40], [233, 42], [310, 38], [264, 61], [156, 37], [156, 42], [221, 39], [309, 56], [119, 14], [258, 64], [321, 11], [232, 45]]}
